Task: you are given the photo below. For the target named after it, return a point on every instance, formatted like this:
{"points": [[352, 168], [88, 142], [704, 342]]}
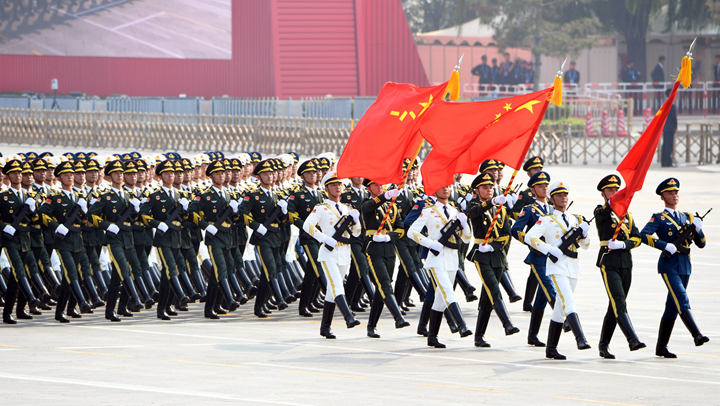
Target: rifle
{"points": [[684, 236], [272, 218], [449, 230], [516, 189], [124, 217], [69, 220], [219, 220], [19, 218], [171, 218], [341, 227], [571, 237]]}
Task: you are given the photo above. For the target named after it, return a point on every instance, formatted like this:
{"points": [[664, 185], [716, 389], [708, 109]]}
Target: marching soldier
{"points": [[113, 212], [488, 256], [359, 278], [63, 212], [15, 206], [380, 252], [546, 236], [525, 198], [334, 253], [442, 260], [538, 185], [674, 264], [615, 263]]}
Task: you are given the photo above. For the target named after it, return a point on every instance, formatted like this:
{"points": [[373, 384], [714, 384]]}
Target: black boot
{"points": [[27, 291], [178, 290], [400, 288], [666, 327], [20, 312], [535, 321], [80, 298], [62, 304], [574, 321], [134, 304], [375, 312], [480, 328], [305, 294], [465, 285], [122, 304], [227, 294], [211, 297], [235, 285], [151, 287], [289, 284], [689, 321], [553, 338], [502, 313], [627, 328], [144, 294], [199, 282], [101, 286], [450, 322], [94, 297], [424, 317], [10, 295], [191, 293], [392, 305], [350, 320], [260, 299], [435, 320], [328, 311], [42, 290], [368, 286], [509, 287], [163, 297], [250, 289], [530, 288], [606, 333], [417, 283], [566, 326], [277, 292], [287, 296], [457, 315], [112, 296]]}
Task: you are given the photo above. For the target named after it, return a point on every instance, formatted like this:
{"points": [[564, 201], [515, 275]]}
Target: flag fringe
{"points": [[685, 75], [556, 98], [453, 86]]}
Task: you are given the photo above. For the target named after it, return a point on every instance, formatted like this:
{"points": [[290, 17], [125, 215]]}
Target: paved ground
{"points": [[198, 29], [283, 360]]}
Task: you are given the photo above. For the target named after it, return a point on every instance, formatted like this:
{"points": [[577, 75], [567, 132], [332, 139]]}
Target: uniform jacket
{"points": [[300, 204], [107, 210], [10, 205], [205, 210], [606, 221], [156, 210], [661, 230], [256, 208], [433, 219], [528, 217], [54, 211], [481, 215], [320, 224], [372, 212], [552, 227]]}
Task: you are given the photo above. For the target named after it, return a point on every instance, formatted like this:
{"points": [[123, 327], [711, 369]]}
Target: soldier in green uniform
{"points": [[15, 240], [257, 208], [380, 252], [63, 212], [615, 263], [212, 211], [359, 277], [113, 212]]}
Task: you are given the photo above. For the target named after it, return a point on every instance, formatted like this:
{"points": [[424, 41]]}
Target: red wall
{"points": [[280, 48]]}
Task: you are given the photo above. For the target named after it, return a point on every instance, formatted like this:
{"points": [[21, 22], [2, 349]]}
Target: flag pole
{"points": [[453, 89], [497, 212]]}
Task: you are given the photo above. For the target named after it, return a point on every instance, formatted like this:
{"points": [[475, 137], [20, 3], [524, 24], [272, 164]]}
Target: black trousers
{"points": [[617, 284], [491, 287], [382, 269], [667, 148]]}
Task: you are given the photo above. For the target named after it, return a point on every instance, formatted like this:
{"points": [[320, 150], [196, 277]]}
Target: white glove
{"points": [[283, 206], [330, 241], [512, 200], [145, 200], [261, 229], [62, 230], [671, 248], [499, 199], [355, 215], [616, 245], [468, 197], [9, 229], [113, 229], [585, 227], [436, 246], [462, 217], [93, 201], [211, 229], [162, 227], [234, 205], [698, 224], [381, 238], [136, 203], [31, 202], [83, 205], [484, 248], [392, 193], [184, 203], [463, 204], [555, 251]]}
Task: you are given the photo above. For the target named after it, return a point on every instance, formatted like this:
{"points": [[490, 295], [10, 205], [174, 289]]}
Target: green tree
{"points": [[433, 15]]}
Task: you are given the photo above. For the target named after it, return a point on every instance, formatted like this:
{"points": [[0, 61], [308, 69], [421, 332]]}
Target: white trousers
{"points": [[444, 290], [335, 275], [565, 300]]}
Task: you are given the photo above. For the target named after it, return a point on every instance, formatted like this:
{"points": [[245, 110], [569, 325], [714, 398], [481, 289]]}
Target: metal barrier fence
{"points": [[226, 106], [557, 144]]}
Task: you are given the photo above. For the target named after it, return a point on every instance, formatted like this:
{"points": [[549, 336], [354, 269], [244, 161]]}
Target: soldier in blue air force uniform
{"points": [[675, 270]]}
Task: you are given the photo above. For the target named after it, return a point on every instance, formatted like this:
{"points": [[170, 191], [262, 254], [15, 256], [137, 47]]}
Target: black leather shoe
{"points": [[480, 342], [636, 344], [74, 314], [163, 316], [409, 302], [433, 342], [664, 352], [45, 306], [62, 319], [604, 351], [212, 316], [170, 312], [271, 306], [402, 323], [471, 298], [282, 306], [699, 340], [261, 314], [24, 316], [404, 308], [112, 317], [357, 308], [422, 331], [305, 313], [124, 313], [9, 320], [372, 332], [313, 309], [327, 334], [219, 310]]}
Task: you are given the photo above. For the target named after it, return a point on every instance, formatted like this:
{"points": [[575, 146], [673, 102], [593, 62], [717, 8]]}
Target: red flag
{"points": [[463, 135], [387, 133], [636, 163]]}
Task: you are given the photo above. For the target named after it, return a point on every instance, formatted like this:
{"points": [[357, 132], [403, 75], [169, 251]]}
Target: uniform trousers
{"points": [[546, 293], [443, 281], [491, 287], [70, 263], [382, 269], [565, 300], [677, 298], [617, 284], [335, 274]]}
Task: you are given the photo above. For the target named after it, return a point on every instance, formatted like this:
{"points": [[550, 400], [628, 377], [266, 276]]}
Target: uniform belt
{"points": [[502, 239], [35, 226], [340, 244], [370, 233]]}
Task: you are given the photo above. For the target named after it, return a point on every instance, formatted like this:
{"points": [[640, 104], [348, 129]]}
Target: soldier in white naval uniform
{"points": [[443, 267], [335, 261], [564, 273]]}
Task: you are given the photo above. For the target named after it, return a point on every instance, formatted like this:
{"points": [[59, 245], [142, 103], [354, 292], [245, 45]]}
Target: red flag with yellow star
{"points": [[387, 133], [463, 135]]}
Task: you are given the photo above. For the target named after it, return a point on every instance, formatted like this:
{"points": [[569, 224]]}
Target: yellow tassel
{"points": [[685, 76], [557, 91], [453, 86]]}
